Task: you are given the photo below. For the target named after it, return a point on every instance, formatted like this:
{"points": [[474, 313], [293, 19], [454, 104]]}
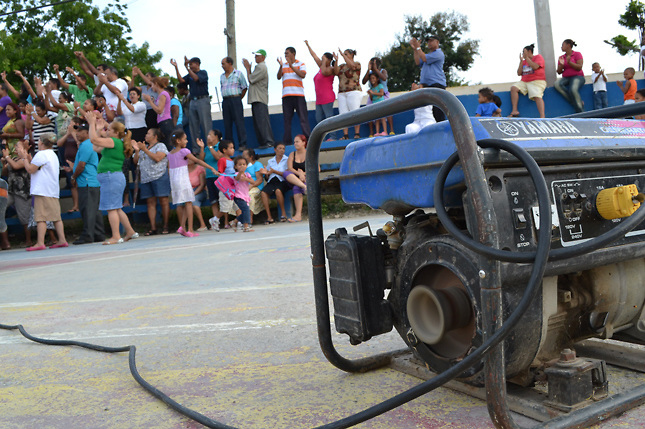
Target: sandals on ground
{"points": [[269, 221], [151, 232], [164, 231], [283, 219]]}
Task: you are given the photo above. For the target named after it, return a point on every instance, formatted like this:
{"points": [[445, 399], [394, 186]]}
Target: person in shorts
{"points": [[45, 169], [533, 81], [152, 158]]}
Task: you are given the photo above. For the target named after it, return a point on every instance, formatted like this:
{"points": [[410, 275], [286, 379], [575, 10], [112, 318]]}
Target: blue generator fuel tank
{"points": [[397, 173]]}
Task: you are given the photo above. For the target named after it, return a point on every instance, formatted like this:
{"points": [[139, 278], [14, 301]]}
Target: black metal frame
{"points": [[487, 228]]}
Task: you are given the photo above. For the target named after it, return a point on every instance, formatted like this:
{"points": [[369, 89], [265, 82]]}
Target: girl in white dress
{"points": [[182, 191]]}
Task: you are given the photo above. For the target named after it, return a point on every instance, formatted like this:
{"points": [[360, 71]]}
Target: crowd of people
{"points": [[103, 136], [570, 67]]}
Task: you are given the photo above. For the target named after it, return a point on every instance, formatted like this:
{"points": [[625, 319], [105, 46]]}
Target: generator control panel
{"points": [[574, 204]]}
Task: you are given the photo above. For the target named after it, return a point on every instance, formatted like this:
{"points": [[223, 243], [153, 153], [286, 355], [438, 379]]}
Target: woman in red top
{"points": [[573, 78], [533, 82]]}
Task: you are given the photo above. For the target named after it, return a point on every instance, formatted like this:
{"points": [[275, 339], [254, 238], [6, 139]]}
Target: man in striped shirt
{"points": [[234, 88], [292, 72]]}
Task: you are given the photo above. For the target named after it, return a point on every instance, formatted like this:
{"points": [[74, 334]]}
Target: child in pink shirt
{"points": [[243, 182]]}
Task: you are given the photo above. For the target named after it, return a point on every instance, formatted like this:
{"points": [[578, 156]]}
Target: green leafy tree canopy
{"points": [[34, 40], [633, 19], [449, 27]]}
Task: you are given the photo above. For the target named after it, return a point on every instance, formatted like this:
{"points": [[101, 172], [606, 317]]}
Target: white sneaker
{"points": [[214, 221], [240, 225]]}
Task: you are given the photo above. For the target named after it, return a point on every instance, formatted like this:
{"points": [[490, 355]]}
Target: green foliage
{"points": [[633, 19], [623, 45], [449, 27], [634, 16], [33, 41]]}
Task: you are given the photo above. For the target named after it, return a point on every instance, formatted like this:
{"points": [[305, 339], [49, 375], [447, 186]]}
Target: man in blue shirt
{"points": [[432, 74], [234, 88], [85, 165], [199, 111]]}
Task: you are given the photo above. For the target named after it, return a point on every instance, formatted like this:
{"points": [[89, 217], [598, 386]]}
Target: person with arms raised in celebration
{"points": [[324, 84], [200, 120], [114, 147]]}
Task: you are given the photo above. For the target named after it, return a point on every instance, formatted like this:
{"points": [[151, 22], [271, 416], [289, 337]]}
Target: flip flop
{"points": [[107, 243], [164, 231], [269, 221], [283, 219], [514, 116], [294, 221], [59, 245], [72, 210], [151, 232], [35, 248], [132, 237]]}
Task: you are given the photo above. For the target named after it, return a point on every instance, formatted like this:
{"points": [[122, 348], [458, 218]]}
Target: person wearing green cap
{"points": [[259, 98]]}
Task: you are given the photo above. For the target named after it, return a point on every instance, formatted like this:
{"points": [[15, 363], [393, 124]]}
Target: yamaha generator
{"points": [[511, 240]]}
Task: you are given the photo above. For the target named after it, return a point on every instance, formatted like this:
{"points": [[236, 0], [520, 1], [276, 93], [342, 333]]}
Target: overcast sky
{"points": [[368, 27]]}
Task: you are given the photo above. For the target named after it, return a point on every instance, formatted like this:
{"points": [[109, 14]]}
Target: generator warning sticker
{"points": [[549, 128]]}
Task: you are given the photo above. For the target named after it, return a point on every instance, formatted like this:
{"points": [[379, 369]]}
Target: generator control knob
{"points": [[619, 202]]}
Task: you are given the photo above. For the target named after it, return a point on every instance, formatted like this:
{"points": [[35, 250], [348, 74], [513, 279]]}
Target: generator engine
{"points": [[414, 276]]}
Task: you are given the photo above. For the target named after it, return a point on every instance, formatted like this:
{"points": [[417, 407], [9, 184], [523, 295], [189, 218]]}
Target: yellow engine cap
{"points": [[615, 203]]}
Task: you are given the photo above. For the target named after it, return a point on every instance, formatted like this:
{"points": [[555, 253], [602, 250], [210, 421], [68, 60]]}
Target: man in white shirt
{"points": [[109, 86]]}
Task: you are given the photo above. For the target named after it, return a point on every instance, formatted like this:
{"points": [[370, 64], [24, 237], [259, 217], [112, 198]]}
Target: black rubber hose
{"points": [[194, 415], [519, 257]]}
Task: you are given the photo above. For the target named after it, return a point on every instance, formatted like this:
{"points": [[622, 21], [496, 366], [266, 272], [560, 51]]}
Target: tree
{"points": [[34, 40], [633, 19], [449, 27]]}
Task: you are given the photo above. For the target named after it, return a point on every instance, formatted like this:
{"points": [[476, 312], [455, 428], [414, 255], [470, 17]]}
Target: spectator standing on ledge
{"points": [[350, 92], [259, 98], [234, 88], [432, 74], [629, 88], [199, 113], [599, 81], [293, 93]]}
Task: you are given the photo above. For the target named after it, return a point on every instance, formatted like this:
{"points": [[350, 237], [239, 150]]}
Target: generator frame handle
{"points": [[486, 226]]}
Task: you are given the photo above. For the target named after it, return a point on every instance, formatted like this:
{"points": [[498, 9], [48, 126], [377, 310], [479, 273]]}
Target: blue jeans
{"points": [[244, 207], [569, 88], [324, 111], [600, 100], [199, 120]]}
